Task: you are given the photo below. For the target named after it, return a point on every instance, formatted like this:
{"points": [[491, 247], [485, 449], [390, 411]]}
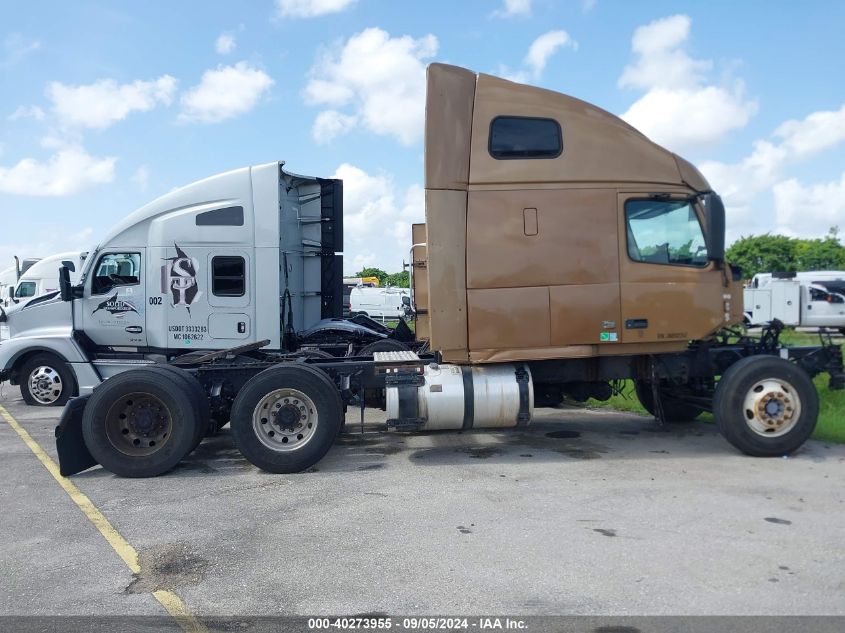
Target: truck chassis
{"points": [[286, 409]]}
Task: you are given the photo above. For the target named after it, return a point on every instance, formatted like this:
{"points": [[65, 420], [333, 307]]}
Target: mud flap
{"points": [[74, 456]]}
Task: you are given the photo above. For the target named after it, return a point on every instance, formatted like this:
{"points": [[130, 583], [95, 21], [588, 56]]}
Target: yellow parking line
{"points": [[169, 600]]}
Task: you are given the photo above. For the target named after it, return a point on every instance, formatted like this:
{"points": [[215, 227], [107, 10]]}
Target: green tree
{"points": [[400, 280], [370, 271], [824, 254], [763, 253]]}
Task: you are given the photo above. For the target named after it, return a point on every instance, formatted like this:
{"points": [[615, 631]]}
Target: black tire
{"points": [[736, 422], [54, 372], [317, 387], [383, 345], [113, 448], [315, 353], [205, 425], [673, 410]]}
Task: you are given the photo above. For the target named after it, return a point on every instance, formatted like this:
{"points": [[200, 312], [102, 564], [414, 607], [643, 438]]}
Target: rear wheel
{"points": [[766, 406], [383, 345], [673, 410], [140, 423], [46, 380], [205, 425], [286, 418]]}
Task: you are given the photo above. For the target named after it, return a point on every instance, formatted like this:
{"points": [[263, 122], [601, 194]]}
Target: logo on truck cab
{"points": [[179, 279], [116, 306]]}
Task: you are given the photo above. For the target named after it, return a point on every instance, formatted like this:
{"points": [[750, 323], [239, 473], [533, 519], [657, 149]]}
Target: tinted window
{"points": [[665, 232], [25, 289], [116, 269], [228, 276], [523, 137], [230, 216]]}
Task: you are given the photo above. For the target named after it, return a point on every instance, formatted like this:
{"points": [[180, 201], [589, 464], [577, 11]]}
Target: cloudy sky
{"points": [[107, 105]]}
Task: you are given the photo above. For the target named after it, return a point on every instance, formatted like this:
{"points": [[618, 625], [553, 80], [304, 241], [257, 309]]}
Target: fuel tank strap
{"points": [[469, 397]]}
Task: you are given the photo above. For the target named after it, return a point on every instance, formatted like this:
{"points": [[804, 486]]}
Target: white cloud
{"points": [[680, 110], [141, 177], [105, 102], [27, 112], [50, 240], [538, 56], [792, 142], [379, 79], [377, 219], [224, 44], [66, 172], [331, 123], [16, 48], [311, 8], [809, 211], [512, 8], [225, 92], [544, 47]]}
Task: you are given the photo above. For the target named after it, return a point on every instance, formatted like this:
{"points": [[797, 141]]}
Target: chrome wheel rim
{"points": [[139, 424], [285, 420], [45, 384], [772, 407]]}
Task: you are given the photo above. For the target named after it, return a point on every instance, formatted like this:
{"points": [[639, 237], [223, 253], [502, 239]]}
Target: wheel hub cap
{"points": [[139, 424], [285, 420], [772, 407], [45, 385]]}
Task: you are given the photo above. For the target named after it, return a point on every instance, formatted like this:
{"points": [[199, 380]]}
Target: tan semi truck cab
{"points": [[556, 230]]}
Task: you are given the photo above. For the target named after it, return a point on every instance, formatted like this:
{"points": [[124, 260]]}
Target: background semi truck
{"points": [[563, 252]]}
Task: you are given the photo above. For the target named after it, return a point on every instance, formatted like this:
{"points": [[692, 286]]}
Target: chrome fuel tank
{"points": [[463, 396]]}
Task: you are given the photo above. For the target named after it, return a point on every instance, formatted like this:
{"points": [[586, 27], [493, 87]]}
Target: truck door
{"points": [[823, 308], [670, 290], [232, 310], [113, 307]]}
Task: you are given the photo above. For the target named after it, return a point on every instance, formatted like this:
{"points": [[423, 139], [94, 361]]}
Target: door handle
{"points": [[529, 221], [241, 327], [636, 324], [134, 329]]}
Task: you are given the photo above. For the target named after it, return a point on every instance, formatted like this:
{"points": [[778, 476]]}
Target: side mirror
{"points": [[406, 300], [714, 214], [11, 292], [65, 290]]}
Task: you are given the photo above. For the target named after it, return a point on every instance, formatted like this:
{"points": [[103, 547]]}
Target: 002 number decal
{"points": [[155, 301]]}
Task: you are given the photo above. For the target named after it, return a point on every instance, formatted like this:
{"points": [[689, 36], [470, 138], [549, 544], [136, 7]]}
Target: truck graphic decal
{"points": [[116, 306], [179, 279]]}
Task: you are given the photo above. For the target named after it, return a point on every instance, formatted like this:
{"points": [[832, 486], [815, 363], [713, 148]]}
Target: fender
{"points": [[62, 345]]}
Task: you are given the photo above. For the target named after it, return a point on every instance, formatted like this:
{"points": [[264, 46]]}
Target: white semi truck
{"points": [[547, 274]]}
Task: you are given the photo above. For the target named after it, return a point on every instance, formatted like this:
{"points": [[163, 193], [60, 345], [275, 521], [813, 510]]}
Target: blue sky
{"points": [[107, 105]]}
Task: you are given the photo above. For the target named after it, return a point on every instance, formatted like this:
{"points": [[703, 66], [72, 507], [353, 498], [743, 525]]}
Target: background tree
{"points": [[371, 271], [779, 253], [762, 254], [400, 280]]}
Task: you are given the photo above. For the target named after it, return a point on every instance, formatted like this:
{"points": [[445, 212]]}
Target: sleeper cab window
{"points": [[116, 269], [525, 137], [228, 216], [665, 232], [228, 276]]}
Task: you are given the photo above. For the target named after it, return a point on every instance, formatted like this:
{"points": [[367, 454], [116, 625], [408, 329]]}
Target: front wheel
{"points": [[766, 406], [46, 380], [286, 418]]}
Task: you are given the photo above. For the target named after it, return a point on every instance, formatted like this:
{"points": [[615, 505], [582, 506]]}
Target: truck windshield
{"points": [[665, 232]]}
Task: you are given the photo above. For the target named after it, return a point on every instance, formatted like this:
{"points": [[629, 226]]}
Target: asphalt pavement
{"points": [[584, 512]]}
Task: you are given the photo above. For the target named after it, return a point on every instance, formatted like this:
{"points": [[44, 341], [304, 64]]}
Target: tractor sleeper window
{"points": [[525, 137], [228, 276]]}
